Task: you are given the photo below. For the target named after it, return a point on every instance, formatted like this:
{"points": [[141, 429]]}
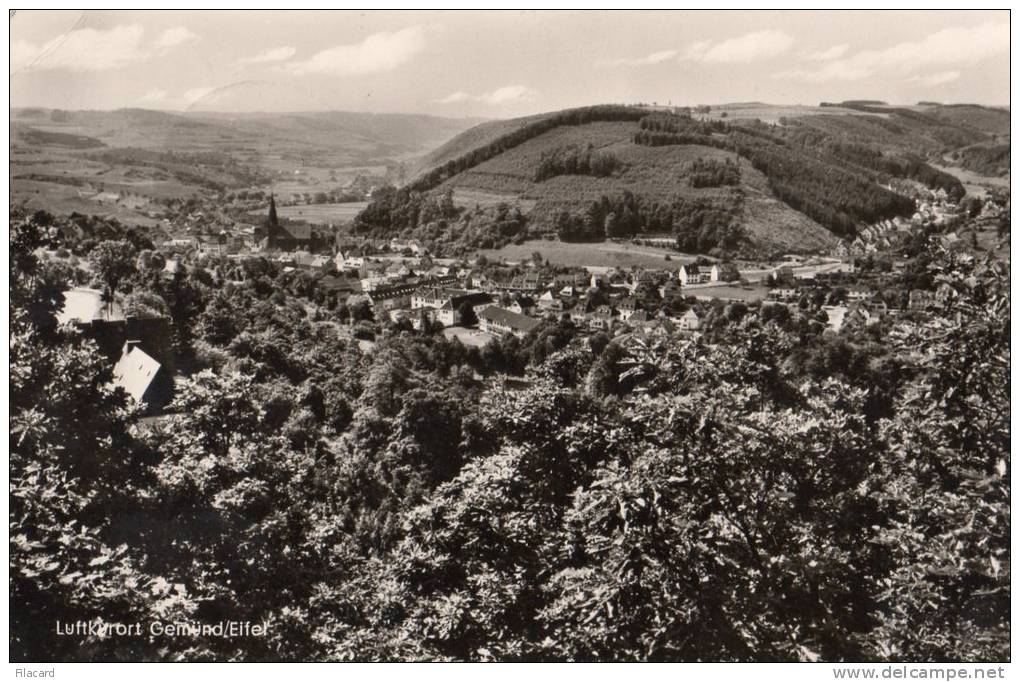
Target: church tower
{"points": [[272, 225]]}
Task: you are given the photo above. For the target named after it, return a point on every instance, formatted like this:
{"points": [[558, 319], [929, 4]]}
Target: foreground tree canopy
{"points": [[553, 498]]}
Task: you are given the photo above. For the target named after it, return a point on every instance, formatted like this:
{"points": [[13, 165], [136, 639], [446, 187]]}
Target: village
{"points": [[400, 284]]}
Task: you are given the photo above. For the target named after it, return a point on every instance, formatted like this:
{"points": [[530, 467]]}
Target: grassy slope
{"points": [[655, 173], [894, 132]]}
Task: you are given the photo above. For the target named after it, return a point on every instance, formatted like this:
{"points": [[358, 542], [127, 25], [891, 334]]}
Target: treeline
{"points": [[822, 188], [870, 159], [990, 160], [713, 173], [573, 160], [946, 132], [395, 210], [699, 225], [667, 123], [835, 197], [664, 130], [568, 117], [438, 223]]}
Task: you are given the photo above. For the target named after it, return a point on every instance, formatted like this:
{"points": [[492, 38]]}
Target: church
{"points": [[294, 236]]}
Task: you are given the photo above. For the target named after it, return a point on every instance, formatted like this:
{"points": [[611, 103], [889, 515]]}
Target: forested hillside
{"points": [[795, 184]]}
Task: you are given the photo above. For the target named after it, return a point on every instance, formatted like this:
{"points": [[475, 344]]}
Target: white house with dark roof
{"points": [[500, 321], [691, 273]]}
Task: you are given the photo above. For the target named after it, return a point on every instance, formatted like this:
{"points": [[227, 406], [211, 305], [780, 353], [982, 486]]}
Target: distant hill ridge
{"points": [[364, 134], [807, 176]]}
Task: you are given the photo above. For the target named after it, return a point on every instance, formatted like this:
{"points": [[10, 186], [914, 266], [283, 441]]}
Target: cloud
{"points": [[152, 96], [276, 54], [503, 95], [91, 49], [834, 52], [509, 93], [193, 95], [378, 52], [653, 58], [23, 53], [172, 37], [936, 78], [743, 50], [459, 96], [952, 47], [84, 49]]}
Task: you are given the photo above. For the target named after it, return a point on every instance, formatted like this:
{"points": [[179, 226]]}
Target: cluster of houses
{"points": [[933, 207], [514, 303], [884, 235], [859, 303], [936, 207]]}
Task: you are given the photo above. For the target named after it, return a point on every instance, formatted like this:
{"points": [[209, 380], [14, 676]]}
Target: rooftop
{"points": [[135, 372], [509, 319], [86, 305]]}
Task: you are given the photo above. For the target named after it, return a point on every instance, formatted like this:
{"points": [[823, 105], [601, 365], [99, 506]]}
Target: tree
{"points": [[186, 300], [72, 467], [112, 261], [611, 225], [151, 261], [466, 311]]}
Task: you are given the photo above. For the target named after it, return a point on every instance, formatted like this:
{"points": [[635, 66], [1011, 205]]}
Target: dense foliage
{"points": [[574, 160], [764, 492], [808, 180], [991, 160], [699, 225], [713, 173]]}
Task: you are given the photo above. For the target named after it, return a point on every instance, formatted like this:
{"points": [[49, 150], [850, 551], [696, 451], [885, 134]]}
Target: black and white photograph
{"points": [[510, 336]]}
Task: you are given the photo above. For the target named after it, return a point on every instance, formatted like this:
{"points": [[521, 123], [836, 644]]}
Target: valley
{"points": [[601, 356]]}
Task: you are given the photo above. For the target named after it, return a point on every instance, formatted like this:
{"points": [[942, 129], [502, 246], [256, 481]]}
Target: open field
{"points": [[975, 183], [469, 337], [731, 292], [465, 197], [600, 254], [319, 214], [66, 199], [771, 113]]}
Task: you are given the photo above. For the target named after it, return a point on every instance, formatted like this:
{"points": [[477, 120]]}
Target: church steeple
{"points": [[272, 224], [273, 221]]}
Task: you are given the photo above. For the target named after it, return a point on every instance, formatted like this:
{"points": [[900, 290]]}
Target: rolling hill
{"points": [[799, 178], [361, 137], [656, 174], [990, 120], [126, 163]]}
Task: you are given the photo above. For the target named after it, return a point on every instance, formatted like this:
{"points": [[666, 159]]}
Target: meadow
{"points": [[319, 214], [599, 255]]}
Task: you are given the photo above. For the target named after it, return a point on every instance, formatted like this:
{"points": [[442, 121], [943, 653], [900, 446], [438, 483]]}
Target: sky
{"points": [[500, 64]]}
